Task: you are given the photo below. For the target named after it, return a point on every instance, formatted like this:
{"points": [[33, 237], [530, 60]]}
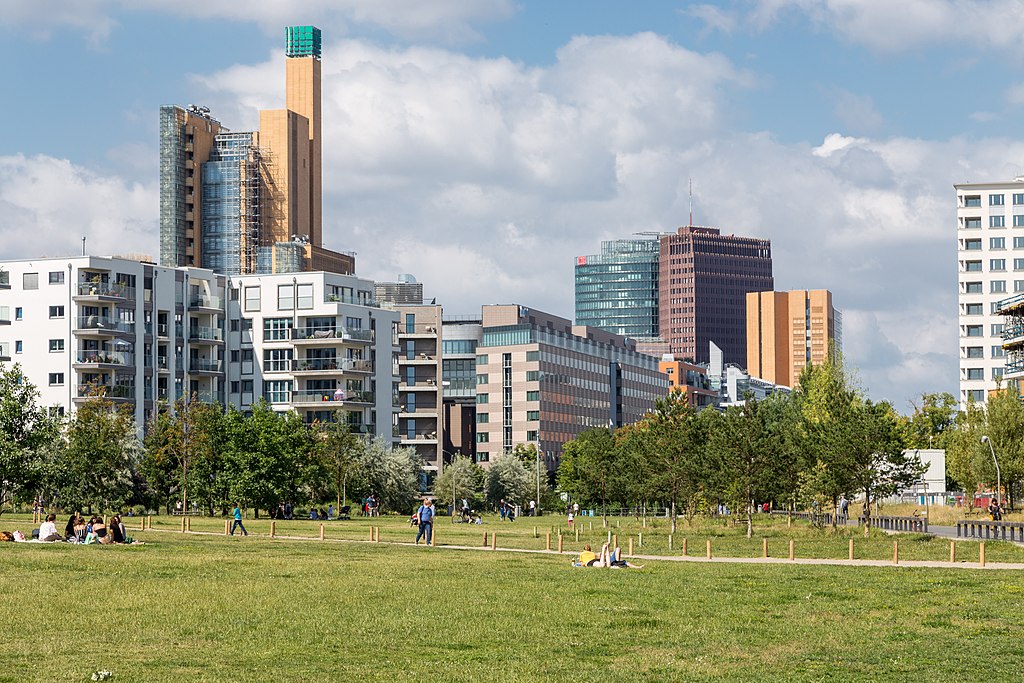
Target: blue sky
{"points": [[508, 137]]}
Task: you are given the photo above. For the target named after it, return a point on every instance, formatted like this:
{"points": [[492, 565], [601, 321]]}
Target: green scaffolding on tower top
{"points": [[302, 41]]}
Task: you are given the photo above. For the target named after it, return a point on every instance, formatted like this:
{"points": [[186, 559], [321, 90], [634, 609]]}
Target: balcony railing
{"points": [[336, 364], [116, 391], [331, 333], [332, 395], [202, 365], [161, 362], [342, 299], [109, 289], [106, 357], [94, 322], [205, 301], [205, 333]]}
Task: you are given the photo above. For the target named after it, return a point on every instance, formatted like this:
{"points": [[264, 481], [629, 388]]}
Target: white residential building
{"points": [[990, 265], [145, 335]]}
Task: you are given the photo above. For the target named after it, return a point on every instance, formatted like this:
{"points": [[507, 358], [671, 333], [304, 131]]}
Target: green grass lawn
{"points": [[207, 608]]}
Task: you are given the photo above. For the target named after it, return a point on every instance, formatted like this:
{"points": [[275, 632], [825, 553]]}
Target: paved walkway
{"points": [[653, 558]]}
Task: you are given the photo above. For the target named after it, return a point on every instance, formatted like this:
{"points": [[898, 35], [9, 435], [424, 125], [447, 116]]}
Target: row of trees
{"points": [[822, 442], [198, 455]]}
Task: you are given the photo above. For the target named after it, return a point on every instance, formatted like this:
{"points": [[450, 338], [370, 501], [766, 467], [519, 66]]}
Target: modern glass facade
{"points": [[224, 180], [617, 290], [302, 41]]}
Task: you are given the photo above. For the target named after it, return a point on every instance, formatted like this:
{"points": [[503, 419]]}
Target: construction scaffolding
{"points": [[250, 206], [1012, 310]]}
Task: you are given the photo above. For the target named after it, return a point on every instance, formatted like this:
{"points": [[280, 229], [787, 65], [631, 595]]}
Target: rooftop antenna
{"points": [[83, 245], [691, 202]]}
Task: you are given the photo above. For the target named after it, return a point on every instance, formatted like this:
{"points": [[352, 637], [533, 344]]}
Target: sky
{"points": [[481, 145]]}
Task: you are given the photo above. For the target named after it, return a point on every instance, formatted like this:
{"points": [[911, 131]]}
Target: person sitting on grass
{"points": [[586, 558], [48, 530], [81, 530], [69, 529], [117, 531], [609, 559], [101, 531]]}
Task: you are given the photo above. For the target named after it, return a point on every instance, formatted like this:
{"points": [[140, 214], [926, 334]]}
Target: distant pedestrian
{"points": [[533, 508], [330, 511], [237, 514], [502, 509], [570, 520], [425, 517]]}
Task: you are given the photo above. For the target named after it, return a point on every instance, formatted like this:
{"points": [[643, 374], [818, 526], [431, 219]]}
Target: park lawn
{"points": [[207, 608]]}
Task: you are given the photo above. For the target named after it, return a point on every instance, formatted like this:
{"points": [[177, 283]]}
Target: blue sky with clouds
{"points": [[494, 140]]}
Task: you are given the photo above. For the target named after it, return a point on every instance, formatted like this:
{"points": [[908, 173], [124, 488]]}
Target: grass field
{"points": [[208, 608]]}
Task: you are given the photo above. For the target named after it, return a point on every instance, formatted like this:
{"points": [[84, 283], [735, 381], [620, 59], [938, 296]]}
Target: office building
{"points": [[405, 291], [146, 335], [689, 379], [250, 202], [462, 336], [734, 384], [542, 380], [990, 255], [617, 290], [420, 411], [787, 331], [703, 280]]}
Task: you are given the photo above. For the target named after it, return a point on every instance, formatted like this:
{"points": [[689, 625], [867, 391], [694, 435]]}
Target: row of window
{"points": [[996, 243], [974, 200], [979, 330], [979, 352], [484, 437], [996, 264], [979, 373]]}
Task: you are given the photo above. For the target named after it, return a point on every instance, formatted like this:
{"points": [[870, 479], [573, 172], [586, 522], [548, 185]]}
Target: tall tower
{"points": [[617, 290], [787, 331], [703, 281], [302, 96]]}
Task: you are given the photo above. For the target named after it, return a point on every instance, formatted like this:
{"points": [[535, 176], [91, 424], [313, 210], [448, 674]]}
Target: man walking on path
{"points": [[426, 517], [237, 513]]}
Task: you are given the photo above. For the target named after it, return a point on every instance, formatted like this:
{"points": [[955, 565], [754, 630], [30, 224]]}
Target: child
{"points": [[570, 519]]}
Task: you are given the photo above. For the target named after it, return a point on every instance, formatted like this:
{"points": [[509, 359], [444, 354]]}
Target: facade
{"points": [[735, 385], [147, 335], [249, 202], [689, 379], [617, 290], [405, 291], [543, 381], [421, 405], [703, 280], [462, 336], [787, 331], [990, 255]]}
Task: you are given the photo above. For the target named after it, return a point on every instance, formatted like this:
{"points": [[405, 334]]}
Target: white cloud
{"points": [[450, 21], [856, 112], [714, 17]]}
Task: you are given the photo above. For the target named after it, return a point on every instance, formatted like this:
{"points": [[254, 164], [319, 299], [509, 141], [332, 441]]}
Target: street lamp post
{"points": [[999, 485], [538, 482]]}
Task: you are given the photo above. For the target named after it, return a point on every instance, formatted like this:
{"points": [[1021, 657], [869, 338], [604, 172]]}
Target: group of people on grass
{"points": [[611, 559], [86, 532]]}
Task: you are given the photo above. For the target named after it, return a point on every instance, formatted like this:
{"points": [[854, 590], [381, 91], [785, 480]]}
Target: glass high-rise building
{"points": [[617, 290]]}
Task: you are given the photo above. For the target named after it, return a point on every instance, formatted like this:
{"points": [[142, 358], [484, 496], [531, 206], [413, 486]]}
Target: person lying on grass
{"points": [[606, 559]]}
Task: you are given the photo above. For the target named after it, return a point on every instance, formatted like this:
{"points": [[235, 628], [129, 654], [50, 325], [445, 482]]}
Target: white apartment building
{"points": [[145, 335], [990, 265]]}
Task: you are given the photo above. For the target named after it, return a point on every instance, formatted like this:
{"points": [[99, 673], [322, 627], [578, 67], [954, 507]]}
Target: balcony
{"points": [[161, 363], [419, 437], [5, 315], [5, 280], [95, 325], [423, 412], [318, 335], [98, 358], [419, 385], [424, 331], [343, 299], [104, 291], [116, 392], [161, 330], [331, 366], [198, 334], [210, 303], [418, 359], [316, 397], [214, 397], [201, 366]]}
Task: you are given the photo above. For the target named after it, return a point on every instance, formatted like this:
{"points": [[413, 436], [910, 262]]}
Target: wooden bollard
{"points": [[631, 547], [321, 531], [485, 539], [615, 541], [548, 543], [670, 542], [577, 534], [764, 547], [149, 521], [640, 542], [609, 538], [535, 532], [188, 524], [792, 549], [617, 524], [559, 542], [645, 522], [494, 541], [372, 538], [273, 528], [709, 549], [895, 552], [684, 546], [182, 525], [981, 554], [433, 536], [227, 528], [591, 526], [851, 548], [952, 551]]}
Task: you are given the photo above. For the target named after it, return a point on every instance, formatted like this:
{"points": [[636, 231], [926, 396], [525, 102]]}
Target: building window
{"points": [[994, 306], [997, 287], [972, 266], [56, 311], [56, 277], [997, 373], [532, 415], [481, 379], [277, 391], [997, 243], [972, 200], [997, 264], [353, 323], [1018, 242], [973, 309], [483, 418], [975, 330], [532, 395], [532, 355], [996, 200], [234, 383], [1018, 264], [305, 297], [1018, 220], [973, 245], [483, 437], [975, 373], [975, 287], [976, 395], [19, 313], [997, 352], [533, 436], [234, 325], [233, 296], [410, 323], [481, 360], [285, 294], [30, 281], [252, 298], [17, 346], [997, 221], [1018, 286], [533, 375], [483, 398], [276, 329], [56, 378], [975, 352], [972, 223], [997, 329], [56, 345]]}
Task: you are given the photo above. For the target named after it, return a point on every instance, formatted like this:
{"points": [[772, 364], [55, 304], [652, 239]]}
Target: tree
{"points": [[931, 421], [340, 455], [508, 479], [462, 478], [966, 457], [261, 465], [391, 473], [1005, 427], [676, 454], [27, 432], [589, 470], [95, 468]]}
